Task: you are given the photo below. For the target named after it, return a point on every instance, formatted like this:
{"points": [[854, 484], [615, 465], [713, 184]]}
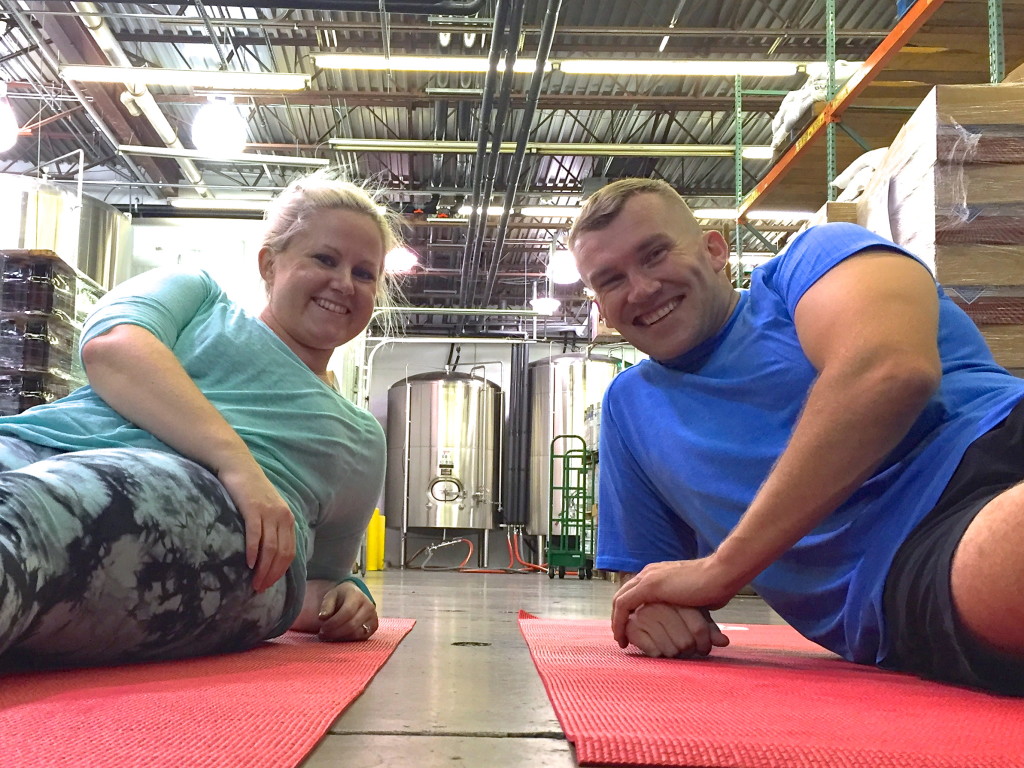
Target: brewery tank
{"points": [[562, 390], [444, 435]]}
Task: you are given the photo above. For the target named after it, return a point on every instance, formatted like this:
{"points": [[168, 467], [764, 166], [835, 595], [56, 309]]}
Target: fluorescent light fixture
{"points": [[562, 268], [400, 260], [200, 204], [219, 128], [241, 159], [187, 78], [704, 68], [8, 122], [473, 92], [729, 214], [447, 220], [569, 149], [417, 63], [677, 68], [492, 210], [551, 211], [757, 153], [545, 305]]}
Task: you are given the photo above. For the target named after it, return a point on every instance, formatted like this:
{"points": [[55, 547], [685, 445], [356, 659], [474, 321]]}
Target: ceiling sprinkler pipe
{"points": [[141, 95]]}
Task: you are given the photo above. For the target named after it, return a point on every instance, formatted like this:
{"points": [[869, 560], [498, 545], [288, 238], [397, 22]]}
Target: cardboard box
{"points": [[972, 264], [952, 184], [1006, 343], [833, 211], [601, 332]]}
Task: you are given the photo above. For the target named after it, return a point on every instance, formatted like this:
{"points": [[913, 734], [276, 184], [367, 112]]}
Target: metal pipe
{"points": [[475, 217], [454, 311], [497, 133], [512, 183], [143, 98], [381, 342], [440, 131]]}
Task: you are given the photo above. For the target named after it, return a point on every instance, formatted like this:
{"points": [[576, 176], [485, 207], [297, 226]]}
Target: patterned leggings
{"points": [[118, 555]]}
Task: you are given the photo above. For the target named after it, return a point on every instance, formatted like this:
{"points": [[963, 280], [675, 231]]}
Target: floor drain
{"points": [[470, 642]]}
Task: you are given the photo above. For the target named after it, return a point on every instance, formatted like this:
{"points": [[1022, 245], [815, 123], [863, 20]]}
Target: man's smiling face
{"points": [[659, 280]]}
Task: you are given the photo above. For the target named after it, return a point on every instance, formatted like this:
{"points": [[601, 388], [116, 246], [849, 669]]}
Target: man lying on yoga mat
{"points": [[170, 508], [838, 436]]}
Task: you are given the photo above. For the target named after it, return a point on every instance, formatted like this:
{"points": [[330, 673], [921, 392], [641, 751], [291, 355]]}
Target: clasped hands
{"points": [[663, 610]]}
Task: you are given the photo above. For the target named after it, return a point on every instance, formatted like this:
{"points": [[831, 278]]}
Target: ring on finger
{"points": [[366, 629]]}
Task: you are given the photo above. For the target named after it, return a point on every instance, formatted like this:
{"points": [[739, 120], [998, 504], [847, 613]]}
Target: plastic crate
{"points": [[37, 343], [36, 282], [20, 391]]}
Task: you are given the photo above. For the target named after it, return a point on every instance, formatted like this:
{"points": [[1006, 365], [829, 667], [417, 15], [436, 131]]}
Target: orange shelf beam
{"points": [[905, 28]]}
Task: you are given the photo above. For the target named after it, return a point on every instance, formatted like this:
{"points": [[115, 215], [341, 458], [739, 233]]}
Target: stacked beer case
{"points": [[39, 329], [951, 189]]}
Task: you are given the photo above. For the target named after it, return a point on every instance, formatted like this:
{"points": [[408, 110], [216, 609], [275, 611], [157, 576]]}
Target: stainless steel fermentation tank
{"points": [[443, 452], [562, 388]]}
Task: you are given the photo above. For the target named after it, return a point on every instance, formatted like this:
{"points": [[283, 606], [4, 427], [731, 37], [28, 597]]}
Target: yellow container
{"points": [[375, 542]]}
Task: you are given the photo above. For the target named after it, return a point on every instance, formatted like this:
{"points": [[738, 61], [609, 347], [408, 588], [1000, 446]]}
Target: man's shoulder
{"points": [[628, 391]]}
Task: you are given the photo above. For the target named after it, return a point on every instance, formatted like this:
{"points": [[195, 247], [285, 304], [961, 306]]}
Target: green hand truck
{"points": [[571, 508]]}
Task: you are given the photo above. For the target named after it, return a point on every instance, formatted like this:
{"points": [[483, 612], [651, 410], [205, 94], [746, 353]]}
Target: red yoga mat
{"points": [[264, 708], [771, 698]]}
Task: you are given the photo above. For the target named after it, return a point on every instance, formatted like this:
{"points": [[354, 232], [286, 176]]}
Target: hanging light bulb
{"points": [[8, 122], [545, 305], [562, 268], [219, 128], [400, 260]]}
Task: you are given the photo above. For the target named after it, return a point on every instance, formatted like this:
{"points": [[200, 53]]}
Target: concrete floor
{"points": [[461, 689]]}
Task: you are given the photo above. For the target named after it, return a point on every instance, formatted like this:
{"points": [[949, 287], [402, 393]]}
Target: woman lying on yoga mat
{"points": [[170, 508]]}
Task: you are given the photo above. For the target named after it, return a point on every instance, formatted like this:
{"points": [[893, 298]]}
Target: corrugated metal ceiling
{"points": [[424, 106]]}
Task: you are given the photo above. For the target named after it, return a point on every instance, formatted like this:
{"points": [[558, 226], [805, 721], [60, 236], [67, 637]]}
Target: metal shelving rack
{"points": [[844, 99]]}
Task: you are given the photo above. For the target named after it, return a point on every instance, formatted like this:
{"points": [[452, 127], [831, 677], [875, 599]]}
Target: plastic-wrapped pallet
{"points": [[950, 189], [38, 332]]}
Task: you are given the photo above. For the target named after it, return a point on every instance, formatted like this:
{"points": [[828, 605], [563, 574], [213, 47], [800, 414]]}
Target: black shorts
{"points": [[926, 636]]}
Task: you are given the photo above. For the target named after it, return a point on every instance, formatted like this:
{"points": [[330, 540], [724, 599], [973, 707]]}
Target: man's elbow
{"points": [[908, 381]]}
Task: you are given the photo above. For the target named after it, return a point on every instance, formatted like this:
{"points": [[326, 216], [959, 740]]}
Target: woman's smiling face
{"points": [[322, 285]]}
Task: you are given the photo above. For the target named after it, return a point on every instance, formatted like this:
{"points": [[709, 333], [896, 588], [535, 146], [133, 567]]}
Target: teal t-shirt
{"points": [[324, 455]]}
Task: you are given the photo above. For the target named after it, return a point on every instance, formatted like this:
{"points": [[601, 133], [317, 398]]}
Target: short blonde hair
{"points": [[605, 204], [288, 213]]}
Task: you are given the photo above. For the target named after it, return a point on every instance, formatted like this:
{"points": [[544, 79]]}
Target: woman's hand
{"points": [[269, 523], [347, 614]]}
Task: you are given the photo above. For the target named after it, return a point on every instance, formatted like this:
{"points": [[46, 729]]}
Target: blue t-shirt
{"points": [[324, 455], [686, 443]]}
